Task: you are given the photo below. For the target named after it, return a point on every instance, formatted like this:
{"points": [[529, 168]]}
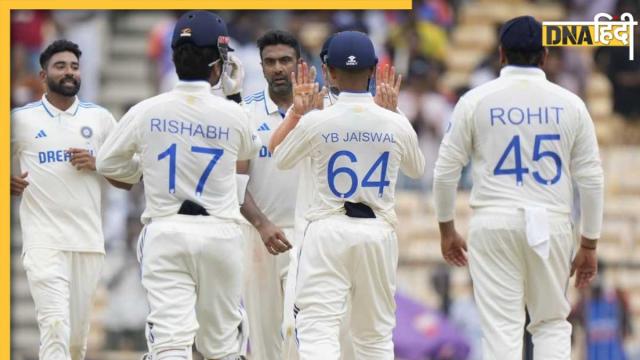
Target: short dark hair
{"points": [[58, 46], [524, 58], [278, 37], [192, 62]]}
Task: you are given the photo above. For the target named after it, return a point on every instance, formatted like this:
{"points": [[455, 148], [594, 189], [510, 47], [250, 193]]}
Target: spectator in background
{"points": [[85, 28], [604, 314], [163, 74], [489, 68], [127, 309], [244, 29], [555, 68], [29, 30], [411, 37], [623, 73], [465, 317], [441, 284], [428, 110]]}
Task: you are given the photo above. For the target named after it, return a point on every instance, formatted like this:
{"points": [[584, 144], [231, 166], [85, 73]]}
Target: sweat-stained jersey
{"points": [[60, 208], [351, 164], [188, 141]]}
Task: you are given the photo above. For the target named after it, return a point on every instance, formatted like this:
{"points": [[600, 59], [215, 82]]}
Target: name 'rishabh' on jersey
{"points": [[356, 150], [188, 141], [61, 207], [272, 189]]}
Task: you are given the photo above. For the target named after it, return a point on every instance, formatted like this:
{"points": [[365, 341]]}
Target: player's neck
{"points": [[284, 102], [353, 86], [60, 101]]}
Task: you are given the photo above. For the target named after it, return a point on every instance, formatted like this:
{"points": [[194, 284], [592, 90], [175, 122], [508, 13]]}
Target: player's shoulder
{"points": [[396, 118], [149, 103], [93, 109], [480, 92], [255, 98], [318, 116], [564, 94], [26, 110], [226, 105], [255, 103]]}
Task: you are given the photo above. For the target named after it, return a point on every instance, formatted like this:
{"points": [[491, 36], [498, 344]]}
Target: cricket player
{"points": [[349, 249], [270, 200], [387, 90], [388, 87], [53, 142], [528, 140], [191, 248]]}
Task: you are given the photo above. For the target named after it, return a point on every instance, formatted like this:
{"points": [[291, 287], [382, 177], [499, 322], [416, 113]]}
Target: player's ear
{"points": [[43, 75], [543, 58], [503, 57], [332, 74]]}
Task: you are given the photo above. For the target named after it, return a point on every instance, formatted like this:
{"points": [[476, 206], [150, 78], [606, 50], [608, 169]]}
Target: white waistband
{"points": [[515, 212]]}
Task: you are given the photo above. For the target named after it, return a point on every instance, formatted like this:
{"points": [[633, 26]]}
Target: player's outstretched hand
{"points": [[274, 239], [82, 159], [307, 94], [18, 184], [387, 87], [232, 76], [585, 266], [454, 249]]}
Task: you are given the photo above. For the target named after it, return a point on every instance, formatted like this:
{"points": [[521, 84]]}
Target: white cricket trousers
{"points": [[192, 270], [346, 259], [62, 285], [266, 276], [508, 275]]}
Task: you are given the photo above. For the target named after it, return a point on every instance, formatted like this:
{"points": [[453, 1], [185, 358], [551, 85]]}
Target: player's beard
{"points": [[61, 88], [281, 89]]}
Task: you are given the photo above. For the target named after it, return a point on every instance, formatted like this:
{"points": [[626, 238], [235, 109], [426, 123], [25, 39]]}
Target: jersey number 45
{"points": [[518, 170]]}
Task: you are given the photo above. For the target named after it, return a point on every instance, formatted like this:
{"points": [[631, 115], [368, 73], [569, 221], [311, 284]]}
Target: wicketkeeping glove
{"points": [[232, 76]]}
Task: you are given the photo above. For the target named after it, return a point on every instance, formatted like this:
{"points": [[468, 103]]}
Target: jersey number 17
{"points": [[171, 152]]}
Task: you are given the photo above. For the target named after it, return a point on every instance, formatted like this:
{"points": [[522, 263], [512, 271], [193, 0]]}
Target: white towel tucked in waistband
{"points": [[537, 226]]}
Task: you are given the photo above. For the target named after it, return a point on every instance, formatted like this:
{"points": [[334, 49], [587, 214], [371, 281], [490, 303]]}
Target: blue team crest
{"points": [[86, 132]]}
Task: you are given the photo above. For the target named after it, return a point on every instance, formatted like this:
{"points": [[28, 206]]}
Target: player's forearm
{"points": [[119, 184], [119, 169], [252, 212], [290, 121], [447, 228]]}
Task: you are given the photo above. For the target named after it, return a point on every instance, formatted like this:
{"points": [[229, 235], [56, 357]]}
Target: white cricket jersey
{"points": [[356, 149], [307, 184], [272, 189], [188, 141], [61, 207], [527, 139]]}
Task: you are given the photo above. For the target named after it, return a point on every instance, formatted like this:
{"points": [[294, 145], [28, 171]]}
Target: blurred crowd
{"points": [[415, 42]]}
